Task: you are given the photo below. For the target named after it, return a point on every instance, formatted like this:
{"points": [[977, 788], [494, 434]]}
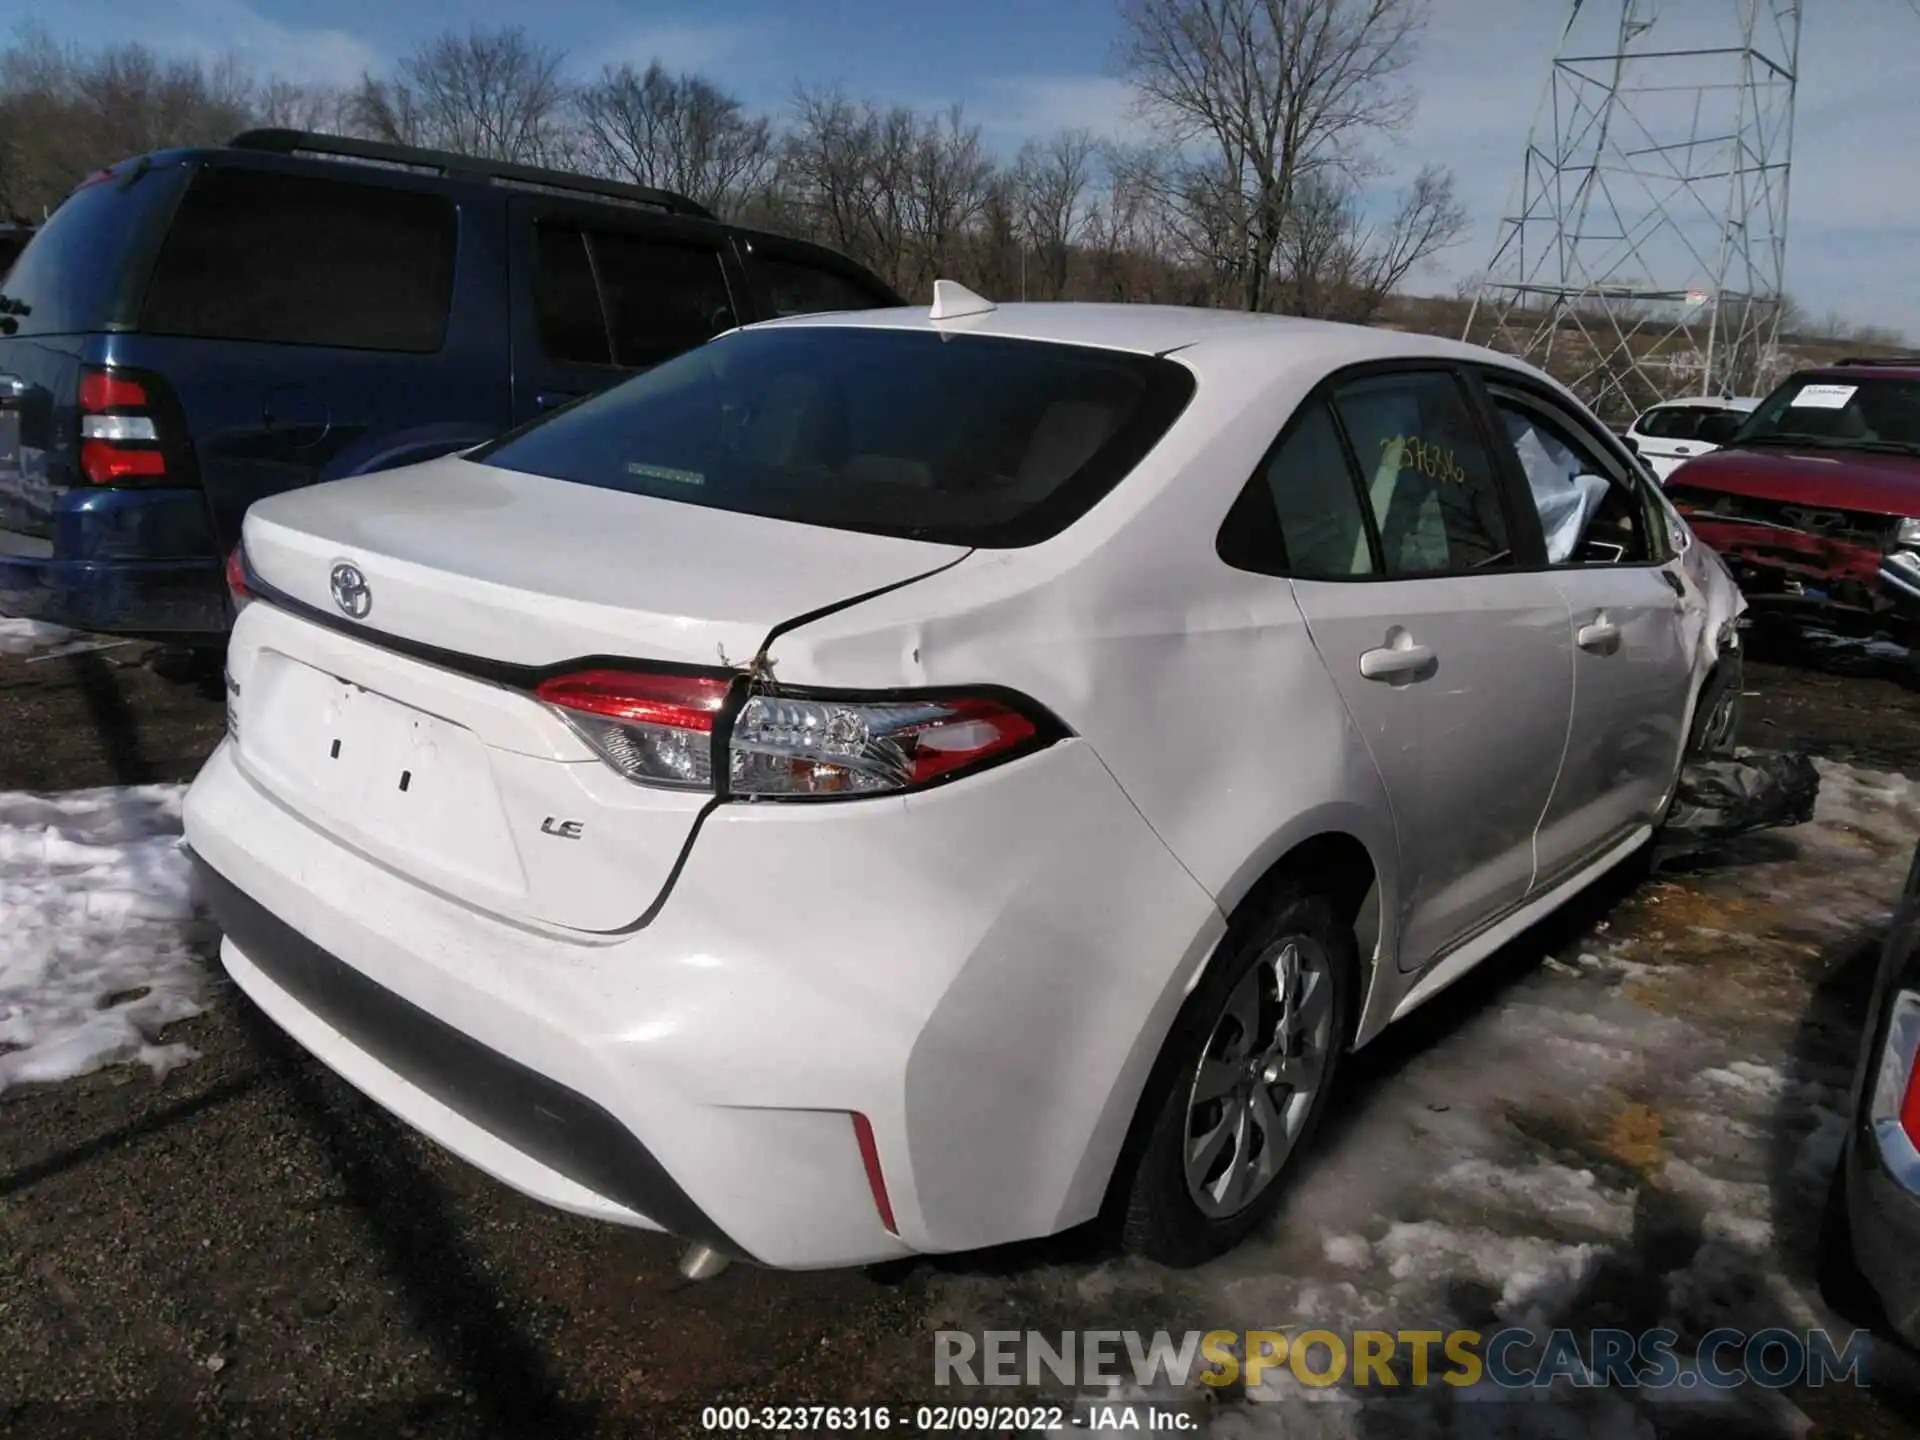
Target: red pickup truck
{"points": [[1815, 502]]}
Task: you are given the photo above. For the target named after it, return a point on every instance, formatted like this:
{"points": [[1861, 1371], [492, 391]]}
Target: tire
{"points": [[1180, 1218], [1716, 718]]}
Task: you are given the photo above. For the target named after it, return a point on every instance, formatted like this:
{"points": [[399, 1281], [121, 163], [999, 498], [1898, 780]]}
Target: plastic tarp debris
{"points": [[1720, 797]]}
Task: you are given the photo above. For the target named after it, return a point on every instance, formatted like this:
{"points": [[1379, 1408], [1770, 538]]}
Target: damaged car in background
{"points": [[916, 779], [1815, 501]]}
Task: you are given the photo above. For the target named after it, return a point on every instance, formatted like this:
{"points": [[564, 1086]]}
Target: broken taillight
{"points": [[658, 728]]}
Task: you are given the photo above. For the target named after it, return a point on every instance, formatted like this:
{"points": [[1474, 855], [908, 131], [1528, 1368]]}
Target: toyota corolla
{"points": [[917, 779]]}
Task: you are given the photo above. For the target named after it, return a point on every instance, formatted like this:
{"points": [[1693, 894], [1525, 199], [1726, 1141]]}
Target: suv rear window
{"points": [[958, 439], [71, 273], [293, 260]]}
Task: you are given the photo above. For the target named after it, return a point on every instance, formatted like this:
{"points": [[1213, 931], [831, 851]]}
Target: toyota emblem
{"points": [[350, 591]]}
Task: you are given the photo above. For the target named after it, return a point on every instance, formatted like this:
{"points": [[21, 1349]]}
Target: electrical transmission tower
{"points": [[1645, 251]]}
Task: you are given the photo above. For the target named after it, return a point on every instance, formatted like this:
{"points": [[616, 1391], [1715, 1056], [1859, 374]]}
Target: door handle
{"points": [[554, 399], [1602, 635], [1392, 661]]}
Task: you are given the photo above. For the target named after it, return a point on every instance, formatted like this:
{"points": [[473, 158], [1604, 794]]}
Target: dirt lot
{"points": [[245, 1246]]}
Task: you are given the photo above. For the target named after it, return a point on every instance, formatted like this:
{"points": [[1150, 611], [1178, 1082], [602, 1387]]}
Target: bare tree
{"points": [[282, 104], [948, 182], [1055, 180], [853, 172], [827, 169], [678, 132], [1280, 94], [65, 112], [1336, 264], [496, 94]]}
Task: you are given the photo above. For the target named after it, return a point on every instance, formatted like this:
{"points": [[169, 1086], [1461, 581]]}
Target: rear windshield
{"points": [[1838, 412], [958, 439], [72, 272]]}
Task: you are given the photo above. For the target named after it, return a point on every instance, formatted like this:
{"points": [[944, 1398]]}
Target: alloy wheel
{"points": [[1262, 1065]]}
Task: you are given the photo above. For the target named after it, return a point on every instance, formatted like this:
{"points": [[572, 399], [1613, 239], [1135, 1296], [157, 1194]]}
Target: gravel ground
{"points": [[245, 1246]]}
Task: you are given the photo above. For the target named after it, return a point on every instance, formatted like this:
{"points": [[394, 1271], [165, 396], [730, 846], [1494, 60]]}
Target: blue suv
{"points": [[193, 330]]}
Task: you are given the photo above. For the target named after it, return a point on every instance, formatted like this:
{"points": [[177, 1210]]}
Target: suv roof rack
{"points": [[1898, 362], [443, 162]]}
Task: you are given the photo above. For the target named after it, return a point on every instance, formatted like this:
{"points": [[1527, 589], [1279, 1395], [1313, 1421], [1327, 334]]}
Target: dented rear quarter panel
{"points": [[1197, 685]]}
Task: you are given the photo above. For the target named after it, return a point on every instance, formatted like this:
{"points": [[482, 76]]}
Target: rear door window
{"points": [[1427, 474], [294, 260], [568, 317], [958, 439], [796, 288], [662, 295]]}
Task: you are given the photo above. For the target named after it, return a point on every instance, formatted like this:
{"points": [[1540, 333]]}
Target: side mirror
{"points": [[1631, 443]]}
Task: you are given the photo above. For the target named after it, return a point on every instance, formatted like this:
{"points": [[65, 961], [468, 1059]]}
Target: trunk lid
{"points": [[468, 784], [531, 571]]}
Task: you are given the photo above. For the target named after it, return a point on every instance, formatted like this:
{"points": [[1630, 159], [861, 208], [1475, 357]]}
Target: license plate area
{"points": [[402, 784]]}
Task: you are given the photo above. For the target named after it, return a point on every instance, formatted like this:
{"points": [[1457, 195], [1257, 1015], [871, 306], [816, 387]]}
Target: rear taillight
{"points": [[237, 590], [122, 420], [1895, 1106], [653, 727], [658, 728], [787, 745]]}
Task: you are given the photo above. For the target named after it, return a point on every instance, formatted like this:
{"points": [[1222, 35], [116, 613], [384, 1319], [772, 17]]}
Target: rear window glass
{"points": [[71, 272], [257, 255], [1671, 422], [958, 439]]}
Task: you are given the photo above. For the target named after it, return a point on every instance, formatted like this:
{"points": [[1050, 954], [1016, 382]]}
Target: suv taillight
{"points": [[664, 729], [123, 423]]}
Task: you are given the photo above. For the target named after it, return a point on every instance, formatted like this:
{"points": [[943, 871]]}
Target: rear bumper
{"points": [[1883, 1223], [329, 1005], [127, 561], [985, 972]]}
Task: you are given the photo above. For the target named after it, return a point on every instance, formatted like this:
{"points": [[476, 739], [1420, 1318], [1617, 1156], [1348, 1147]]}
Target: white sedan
{"points": [[893, 782], [1673, 432]]}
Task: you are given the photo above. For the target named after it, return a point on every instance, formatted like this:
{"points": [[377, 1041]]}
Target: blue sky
{"points": [[1027, 67]]}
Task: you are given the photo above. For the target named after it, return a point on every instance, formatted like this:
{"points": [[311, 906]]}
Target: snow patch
{"points": [[1537, 1278], [97, 932], [23, 637], [1542, 1189], [1759, 1082], [1350, 1251]]}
